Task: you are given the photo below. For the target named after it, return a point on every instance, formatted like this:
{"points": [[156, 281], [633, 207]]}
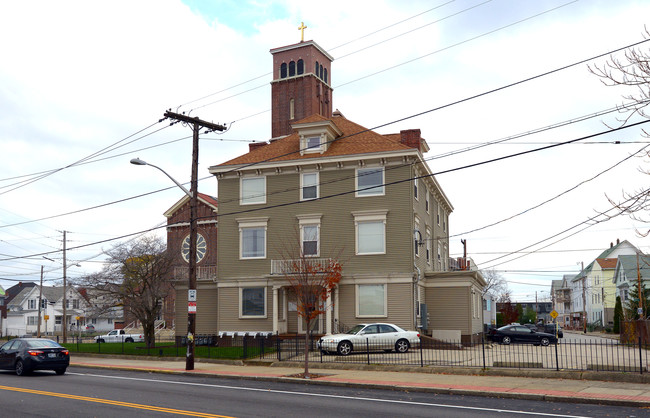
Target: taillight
{"points": [[418, 335], [65, 352], [34, 352]]}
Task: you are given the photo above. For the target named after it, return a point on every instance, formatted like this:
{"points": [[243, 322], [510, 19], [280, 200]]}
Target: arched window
{"points": [[292, 113], [316, 69], [325, 73], [283, 70], [321, 72], [301, 67], [292, 68]]}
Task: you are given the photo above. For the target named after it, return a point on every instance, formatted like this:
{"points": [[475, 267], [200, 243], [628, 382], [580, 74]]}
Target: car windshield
{"points": [[42, 344], [356, 329]]}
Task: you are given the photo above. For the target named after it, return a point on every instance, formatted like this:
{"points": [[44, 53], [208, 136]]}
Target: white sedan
{"points": [[369, 337]]}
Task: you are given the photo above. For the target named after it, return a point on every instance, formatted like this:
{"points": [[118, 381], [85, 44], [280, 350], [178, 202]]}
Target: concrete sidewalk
{"points": [[536, 388]]}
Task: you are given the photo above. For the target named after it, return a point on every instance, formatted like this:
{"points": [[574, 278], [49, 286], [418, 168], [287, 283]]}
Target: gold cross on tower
{"points": [[302, 31]]}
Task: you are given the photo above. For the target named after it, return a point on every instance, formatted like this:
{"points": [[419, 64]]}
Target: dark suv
{"points": [[550, 328]]}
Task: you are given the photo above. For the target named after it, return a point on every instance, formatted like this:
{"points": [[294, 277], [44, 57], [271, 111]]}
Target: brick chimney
{"points": [[411, 138], [255, 145]]}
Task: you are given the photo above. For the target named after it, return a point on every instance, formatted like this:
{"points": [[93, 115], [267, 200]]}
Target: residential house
{"points": [[489, 311], [334, 188], [561, 300], [23, 310], [629, 270], [602, 294], [591, 297]]}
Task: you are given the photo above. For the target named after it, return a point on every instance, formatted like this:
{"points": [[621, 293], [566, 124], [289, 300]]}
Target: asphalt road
{"points": [[109, 393]]}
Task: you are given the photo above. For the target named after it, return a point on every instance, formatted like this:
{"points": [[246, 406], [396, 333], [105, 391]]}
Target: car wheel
{"points": [[505, 340], [21, 370], [545, 341], [344, 348], [60, 371], [402, 346], [128, 340], [100, 340]]}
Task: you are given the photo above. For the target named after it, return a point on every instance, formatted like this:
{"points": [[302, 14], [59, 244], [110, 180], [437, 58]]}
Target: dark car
{"points": [[550, 328], [27, 354], [521, 334]]}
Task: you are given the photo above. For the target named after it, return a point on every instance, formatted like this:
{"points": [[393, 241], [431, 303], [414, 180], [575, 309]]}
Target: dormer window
{"points": [[313, 142], [316, 137]]}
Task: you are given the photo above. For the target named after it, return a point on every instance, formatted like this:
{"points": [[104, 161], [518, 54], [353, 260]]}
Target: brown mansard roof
{"points": [[355, 139]]}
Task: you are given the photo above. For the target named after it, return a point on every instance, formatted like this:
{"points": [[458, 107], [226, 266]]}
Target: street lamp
{"points": [[191, 315]]}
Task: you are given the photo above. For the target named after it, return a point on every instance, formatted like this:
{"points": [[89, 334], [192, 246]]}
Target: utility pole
{"points": [[197, 124], [641, 293], [40, 303], [584, 298], [65, 300]]}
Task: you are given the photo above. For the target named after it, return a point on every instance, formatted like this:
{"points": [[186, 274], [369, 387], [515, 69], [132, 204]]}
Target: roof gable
{"points": [[201, 197]]}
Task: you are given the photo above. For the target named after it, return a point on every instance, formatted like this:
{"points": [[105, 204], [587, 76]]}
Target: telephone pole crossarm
{"points": [[187, 119]]}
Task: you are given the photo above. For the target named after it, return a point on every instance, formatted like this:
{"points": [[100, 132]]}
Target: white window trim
{"points": [[369, 216], [241, 307], [241, 191], [304, 143], [317, 185], [310, 220], [357, 187], [356, 303], [252, 223]]}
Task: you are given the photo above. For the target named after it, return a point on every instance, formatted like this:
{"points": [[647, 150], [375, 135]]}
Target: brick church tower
{"points": [[301, 85]]}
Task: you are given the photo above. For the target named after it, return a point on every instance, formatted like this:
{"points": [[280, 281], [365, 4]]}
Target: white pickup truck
{"points": [[118, 336]]}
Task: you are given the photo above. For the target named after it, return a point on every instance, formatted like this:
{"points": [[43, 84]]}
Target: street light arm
{"points": [[137, 161]]}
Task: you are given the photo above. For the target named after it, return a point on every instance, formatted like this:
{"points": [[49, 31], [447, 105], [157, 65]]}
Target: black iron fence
{"points": [[597, 355]]}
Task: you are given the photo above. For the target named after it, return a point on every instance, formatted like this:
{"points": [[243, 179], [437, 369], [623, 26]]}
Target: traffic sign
{"points": [[554, 314], [191, 307]]}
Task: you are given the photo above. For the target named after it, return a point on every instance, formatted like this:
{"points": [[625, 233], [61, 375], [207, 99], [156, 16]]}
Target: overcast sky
{"points": [[84, 84]]}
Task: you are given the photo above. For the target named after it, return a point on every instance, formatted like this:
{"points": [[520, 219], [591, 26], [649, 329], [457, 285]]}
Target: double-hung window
{"points": [[253, 190], [252, 302], [370, 181], [371, 300], [310, 234], [252, 238], [428, 246], [415, 189], [310, 240], [309, 186], [31, 304], [418, 237], [370, 230]]}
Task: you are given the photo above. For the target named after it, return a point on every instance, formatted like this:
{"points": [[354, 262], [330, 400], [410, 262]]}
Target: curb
{"points": [[403, 388]]}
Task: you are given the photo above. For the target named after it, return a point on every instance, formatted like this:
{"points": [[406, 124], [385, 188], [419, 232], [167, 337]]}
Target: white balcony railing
{"points": [[202, 273], [298, 265]]}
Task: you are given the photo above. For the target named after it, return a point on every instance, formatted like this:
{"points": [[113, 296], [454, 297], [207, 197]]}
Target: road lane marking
{"points": [[112, 402], [355, 398]]}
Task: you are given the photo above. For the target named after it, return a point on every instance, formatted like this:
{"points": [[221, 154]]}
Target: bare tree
{"points": [[136, 276], [312, 280], [632, 72], [496, 285]]}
